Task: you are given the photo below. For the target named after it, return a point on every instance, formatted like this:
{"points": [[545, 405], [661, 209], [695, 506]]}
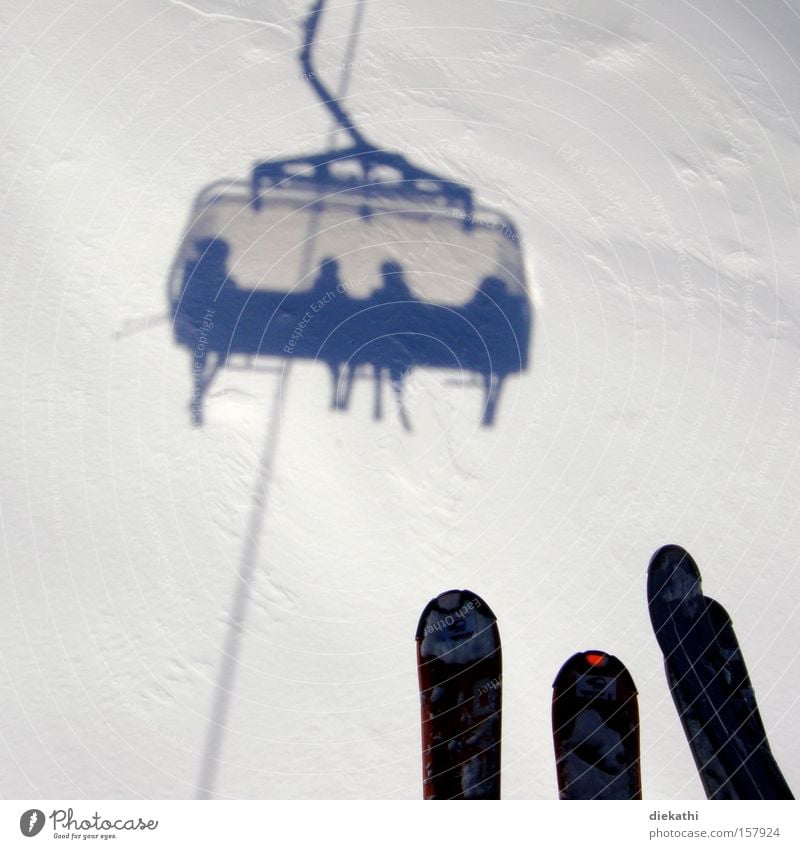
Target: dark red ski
{"points": [[460, 681], [596, 729]]}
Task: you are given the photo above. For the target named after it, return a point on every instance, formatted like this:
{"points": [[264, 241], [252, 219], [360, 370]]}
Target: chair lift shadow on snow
{"points": [[354, 258]]}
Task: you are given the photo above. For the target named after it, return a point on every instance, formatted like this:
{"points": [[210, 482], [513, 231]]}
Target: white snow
{"points": [[233, 607]]}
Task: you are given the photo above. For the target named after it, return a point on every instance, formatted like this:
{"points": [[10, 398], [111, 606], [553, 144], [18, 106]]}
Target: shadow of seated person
{"points": [[498, 321], [206, 277], [200, 315], [394, 287]]}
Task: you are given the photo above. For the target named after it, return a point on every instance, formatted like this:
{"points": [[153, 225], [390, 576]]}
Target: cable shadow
{"points": [[210, 758]]}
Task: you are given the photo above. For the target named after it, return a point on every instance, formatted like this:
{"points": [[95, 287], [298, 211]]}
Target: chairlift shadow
{"points": [[354, 258]]}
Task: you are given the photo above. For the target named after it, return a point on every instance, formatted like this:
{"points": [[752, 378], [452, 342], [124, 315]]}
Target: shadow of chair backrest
{"points": [[351, 262]]}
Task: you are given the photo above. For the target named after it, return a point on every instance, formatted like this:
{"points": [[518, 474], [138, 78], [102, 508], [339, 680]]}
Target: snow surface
{"points": [[229, 610]]}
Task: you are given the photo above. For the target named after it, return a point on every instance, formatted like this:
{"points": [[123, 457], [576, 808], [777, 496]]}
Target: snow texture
{"points": [[229, 610]]}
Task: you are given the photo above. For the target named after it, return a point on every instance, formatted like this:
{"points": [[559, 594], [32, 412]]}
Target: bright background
{"points": [[646, 153]]}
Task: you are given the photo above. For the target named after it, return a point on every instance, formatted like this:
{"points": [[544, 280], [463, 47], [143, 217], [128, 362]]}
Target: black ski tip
{"points": [[671, 553], [450, 601], [594, 661], [665, 564]]}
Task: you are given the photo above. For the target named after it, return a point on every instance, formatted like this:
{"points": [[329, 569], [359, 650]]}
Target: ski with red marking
{"points": [[596, 729]]}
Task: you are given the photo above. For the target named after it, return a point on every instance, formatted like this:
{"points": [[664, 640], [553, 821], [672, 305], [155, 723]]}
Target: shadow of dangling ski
{"points": [[709, 683]]}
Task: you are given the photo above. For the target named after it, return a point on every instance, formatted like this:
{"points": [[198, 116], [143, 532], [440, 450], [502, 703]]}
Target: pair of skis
{"points": [[709, 683], [595, 712], [595, 716]]}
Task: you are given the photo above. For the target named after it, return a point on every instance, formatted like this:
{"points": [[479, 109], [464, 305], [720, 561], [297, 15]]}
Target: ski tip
{"points": [[449, 603], [668, 553], [584, 660], [674, 592], [594, 662], [667, 563]]}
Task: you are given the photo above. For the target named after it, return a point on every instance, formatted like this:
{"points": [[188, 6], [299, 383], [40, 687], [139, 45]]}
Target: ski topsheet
{"points": [[460, 680], [709, 683], [596, 729]]}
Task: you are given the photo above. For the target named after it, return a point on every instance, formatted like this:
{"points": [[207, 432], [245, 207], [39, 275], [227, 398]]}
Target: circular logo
{"points": [[31, 822]]}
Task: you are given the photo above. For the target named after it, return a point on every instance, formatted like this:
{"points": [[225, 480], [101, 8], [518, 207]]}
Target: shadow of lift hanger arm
{"points": [[328, 100], [361, 150]]}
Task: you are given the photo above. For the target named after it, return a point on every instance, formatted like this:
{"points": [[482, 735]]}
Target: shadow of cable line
{"points": [[218, 723], [210, 760]]}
